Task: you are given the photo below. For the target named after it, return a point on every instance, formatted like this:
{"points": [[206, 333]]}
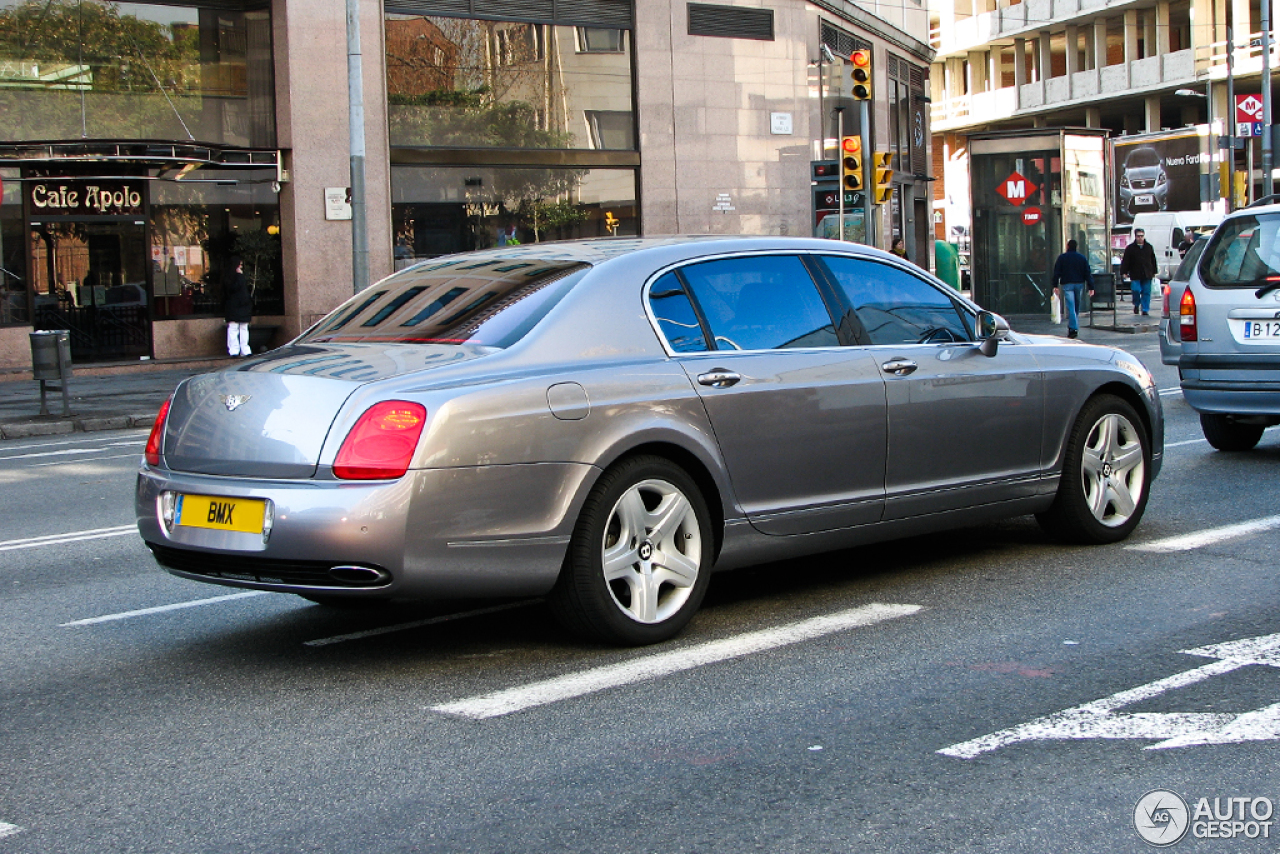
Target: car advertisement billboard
{"points": [[1158, 173]]}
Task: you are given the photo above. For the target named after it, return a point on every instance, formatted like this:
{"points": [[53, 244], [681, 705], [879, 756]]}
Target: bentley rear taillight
{"points": [[1187, 317], [381, 445], [152, 453]]}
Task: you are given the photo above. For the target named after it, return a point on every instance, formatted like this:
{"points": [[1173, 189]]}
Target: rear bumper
{"points": [[433, 534], [1224, 399]]}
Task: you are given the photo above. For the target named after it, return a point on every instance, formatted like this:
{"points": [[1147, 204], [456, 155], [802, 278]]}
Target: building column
{"points": [[1045, 59], [1150, 41], [1100, 43], [1163, 42], [1243, 27], [1090, 54], [1092, 117], [1131, 36], [977, 71], [1019, 63], [1073, 49], [1152, 110]]}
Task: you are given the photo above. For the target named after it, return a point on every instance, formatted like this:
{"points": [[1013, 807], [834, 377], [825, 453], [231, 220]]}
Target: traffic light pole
{"points": [[840, 152], [868, 227]]}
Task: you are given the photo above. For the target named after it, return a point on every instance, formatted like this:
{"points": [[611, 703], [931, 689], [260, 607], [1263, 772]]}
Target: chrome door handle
{"points": [[719, 378], [899, 367]]}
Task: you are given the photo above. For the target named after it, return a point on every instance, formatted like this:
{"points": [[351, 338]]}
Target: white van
{"points": [[1166, 229]]}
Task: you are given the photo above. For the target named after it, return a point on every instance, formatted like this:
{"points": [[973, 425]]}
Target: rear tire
{"points": [[1227, 434], [640, 558], [1106, 475]]}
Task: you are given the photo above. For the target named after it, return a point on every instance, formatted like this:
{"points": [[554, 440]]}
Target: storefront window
{"points": [[439, 210], [499, 84], [87, 69], [13, 265], [197, 225]]}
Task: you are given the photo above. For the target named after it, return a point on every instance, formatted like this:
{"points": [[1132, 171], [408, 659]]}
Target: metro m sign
{"points": [[1248, 108], [1016, 189]]}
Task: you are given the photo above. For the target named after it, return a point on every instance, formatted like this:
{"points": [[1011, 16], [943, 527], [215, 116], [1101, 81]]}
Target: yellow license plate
{"points": [[220, 514]]}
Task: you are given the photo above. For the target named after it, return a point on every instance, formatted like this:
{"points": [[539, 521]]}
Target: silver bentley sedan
{"points": [[607, 422]]}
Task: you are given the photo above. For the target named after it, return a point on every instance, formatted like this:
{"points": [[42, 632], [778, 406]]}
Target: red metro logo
{"points": [[1016, 189]]}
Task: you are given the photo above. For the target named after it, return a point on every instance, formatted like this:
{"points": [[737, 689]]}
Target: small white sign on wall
{"points": [[780, 124], [336, 205]]}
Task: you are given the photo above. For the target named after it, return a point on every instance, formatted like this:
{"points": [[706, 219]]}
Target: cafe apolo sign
{"points": [[92, 198]]}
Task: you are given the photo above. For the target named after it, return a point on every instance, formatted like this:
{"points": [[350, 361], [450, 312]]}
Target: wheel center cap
{"points": [[1107, 470], [646, 550]]}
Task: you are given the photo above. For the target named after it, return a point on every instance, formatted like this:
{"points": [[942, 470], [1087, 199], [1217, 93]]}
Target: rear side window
{"points": [[675, 315], [762, 302], [1243, 253], [894, 306], [462, 300], [1189, 260]]}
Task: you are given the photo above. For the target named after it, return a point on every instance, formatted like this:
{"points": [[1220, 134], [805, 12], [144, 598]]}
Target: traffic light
{"points": [[852, 176], [883, 176], [860, 60]]}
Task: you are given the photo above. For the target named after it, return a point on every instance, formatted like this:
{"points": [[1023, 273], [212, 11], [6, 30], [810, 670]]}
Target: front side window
{"points": [[490, 303], [760, 303], [894, 306], [1243, 253]]}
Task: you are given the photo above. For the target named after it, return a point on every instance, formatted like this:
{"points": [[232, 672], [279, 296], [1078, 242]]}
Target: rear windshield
{"points": [[490, 303], [1243, 253]]}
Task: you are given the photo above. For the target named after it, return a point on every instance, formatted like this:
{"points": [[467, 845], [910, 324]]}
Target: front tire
{"points": [[1227, 434], [640, 558], [1106, 475]]}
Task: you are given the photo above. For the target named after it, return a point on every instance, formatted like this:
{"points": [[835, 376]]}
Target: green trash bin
{"points": [[947, 259]]}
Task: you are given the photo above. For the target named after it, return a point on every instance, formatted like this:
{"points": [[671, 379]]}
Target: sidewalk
{"points": [[114, 401]]}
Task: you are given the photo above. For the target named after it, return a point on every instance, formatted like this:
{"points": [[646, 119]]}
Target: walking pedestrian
{"points": [[237, 301], [1139, 264], [1071, 274]]}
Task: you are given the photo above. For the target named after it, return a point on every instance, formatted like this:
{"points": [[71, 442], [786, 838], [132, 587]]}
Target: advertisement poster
{"points": [[1158, 173]]}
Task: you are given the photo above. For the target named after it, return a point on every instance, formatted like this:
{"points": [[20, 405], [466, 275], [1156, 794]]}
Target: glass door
{"points": [[91, 278]]}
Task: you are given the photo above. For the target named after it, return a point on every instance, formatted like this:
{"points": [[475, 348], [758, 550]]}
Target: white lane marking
{"points": [[63, 453], [73, 536], [137, 455], [662, 664], [400, 627], [8, 829], [142, 612], [1099, 719], [113, 437], [1184, 443], [1186, 542], [1165, 392]]}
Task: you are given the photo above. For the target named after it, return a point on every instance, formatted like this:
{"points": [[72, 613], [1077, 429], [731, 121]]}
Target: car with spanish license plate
{"points": [[607, 422], [1228, 329]]}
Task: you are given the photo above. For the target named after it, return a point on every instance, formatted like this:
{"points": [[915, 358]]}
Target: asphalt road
{"points": [[1021, 696]]}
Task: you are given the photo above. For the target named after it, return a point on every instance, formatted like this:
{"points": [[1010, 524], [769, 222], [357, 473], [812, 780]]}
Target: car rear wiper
{"points": [[1273, 282]]}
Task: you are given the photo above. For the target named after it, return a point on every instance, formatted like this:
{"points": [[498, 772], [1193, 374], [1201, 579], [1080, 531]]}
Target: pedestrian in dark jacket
{"points": [[237, 302], [1139, 264], [1070, 275]]}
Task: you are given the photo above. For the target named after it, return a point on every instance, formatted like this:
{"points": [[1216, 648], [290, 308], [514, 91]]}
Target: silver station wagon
{"points": [[606, 422]]}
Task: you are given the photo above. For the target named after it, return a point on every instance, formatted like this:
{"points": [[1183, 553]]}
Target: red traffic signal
{"points": [[860, 62]]}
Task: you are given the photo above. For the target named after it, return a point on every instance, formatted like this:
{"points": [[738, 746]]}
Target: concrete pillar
{"points": [[1090, 57], [1243, 25], [1092, 117], [1163, 43], [1019, 62], [1045, 60], [1100, 43], [1149, 38], [1073, 49], [995, 75], [1151, 106], [1131, 37]]}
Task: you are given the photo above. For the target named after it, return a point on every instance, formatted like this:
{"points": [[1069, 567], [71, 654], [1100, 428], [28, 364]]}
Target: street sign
{"points": [[829, 200], [1249, 129], [1248, 109], [1016, 189], [1031, 216]]}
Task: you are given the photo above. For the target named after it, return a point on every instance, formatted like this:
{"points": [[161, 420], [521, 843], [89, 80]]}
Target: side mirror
{"points": [[992, 329]]}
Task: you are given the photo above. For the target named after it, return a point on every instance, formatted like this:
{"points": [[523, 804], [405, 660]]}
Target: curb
{"points": [[29, 429]]}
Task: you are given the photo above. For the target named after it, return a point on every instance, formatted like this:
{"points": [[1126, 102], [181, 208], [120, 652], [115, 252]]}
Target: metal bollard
{"points": [[51, 360]]}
